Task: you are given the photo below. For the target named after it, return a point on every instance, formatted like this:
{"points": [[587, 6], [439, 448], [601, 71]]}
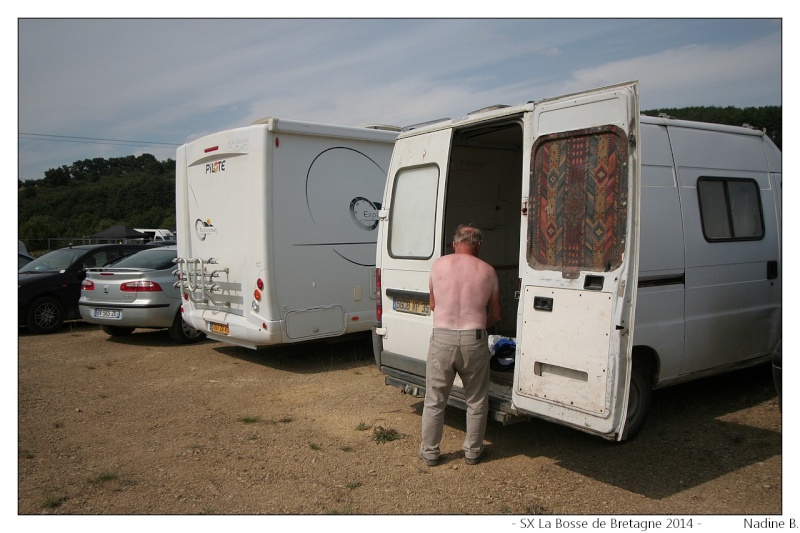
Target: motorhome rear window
{"points": [[577, 209], [413, 215], [730, 209]]}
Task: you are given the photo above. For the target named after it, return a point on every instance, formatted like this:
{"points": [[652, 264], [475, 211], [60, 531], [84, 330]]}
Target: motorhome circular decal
{"points": [[364, 213], [344, 187], [203, 228]]}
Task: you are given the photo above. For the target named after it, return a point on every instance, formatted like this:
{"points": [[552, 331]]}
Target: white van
{"points": [[591, 214], [157, 235], [277, 230]]}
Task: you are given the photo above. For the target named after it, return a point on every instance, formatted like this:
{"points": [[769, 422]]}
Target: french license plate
{"points": [[415, 307], [108, 313], [221, 329]]}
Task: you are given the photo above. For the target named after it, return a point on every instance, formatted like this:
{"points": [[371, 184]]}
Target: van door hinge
{"points": [[524, 208], [383, 214]]}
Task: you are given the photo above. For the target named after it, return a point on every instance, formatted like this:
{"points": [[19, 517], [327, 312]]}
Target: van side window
{"points": [[730, 209], [578, 201], [413, 215]]}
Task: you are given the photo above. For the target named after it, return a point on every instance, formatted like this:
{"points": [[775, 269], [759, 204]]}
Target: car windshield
{"points": [[54, 261], [155, 259]]}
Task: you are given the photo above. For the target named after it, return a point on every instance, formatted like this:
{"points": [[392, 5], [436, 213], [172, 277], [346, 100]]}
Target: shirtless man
{"points": [[465, 300]]}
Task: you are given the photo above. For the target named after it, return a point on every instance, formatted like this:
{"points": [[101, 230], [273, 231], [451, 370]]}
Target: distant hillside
{"points": [[88, 196], [92, 195]]}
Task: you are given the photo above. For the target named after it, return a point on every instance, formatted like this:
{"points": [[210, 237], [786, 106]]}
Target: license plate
{"points": [[221, 329], [108, 313], [415, 307]]}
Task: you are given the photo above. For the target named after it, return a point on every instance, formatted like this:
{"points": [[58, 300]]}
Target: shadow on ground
{"points": [[686, 441]]}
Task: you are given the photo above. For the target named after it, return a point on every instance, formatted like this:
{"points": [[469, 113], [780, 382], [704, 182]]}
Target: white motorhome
{"points": [[632, 252], [277, 230]]}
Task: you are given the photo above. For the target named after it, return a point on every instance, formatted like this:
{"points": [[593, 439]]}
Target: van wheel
{"points": [[639, 400], [45, 315], [183, 333], [117, 331]]}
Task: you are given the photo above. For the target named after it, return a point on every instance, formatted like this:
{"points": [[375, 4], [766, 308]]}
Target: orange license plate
{"points": [[221, 329]]}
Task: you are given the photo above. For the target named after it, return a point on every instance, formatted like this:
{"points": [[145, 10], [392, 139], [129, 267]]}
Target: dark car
{"points": [[50, 285], [24, 259]]}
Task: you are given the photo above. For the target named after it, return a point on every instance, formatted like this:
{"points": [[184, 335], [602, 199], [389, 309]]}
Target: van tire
{"points": [[639, 400], [45, 315], [182, 333], [117, 331]]}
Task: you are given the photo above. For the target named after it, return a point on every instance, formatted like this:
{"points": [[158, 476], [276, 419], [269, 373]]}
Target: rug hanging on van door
{"points": [[578, 204]]}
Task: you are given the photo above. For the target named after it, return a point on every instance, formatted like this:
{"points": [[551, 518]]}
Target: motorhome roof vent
{"points": [[421, 124], [386, 127], [264, 120], [489, 108], [664, 115]]}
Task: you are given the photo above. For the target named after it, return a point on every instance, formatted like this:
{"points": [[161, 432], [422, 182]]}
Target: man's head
{"points": [[467, 238]]}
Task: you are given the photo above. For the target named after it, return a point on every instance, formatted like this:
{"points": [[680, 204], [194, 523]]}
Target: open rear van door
{"points": [[579, 259]]}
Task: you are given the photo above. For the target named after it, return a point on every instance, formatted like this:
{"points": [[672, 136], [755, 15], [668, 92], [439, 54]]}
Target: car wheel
{"points": [[118, 331], [639, 400], [45, 315], [183, 333]]}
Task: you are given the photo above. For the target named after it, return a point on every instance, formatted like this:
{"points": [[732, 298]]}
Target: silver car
{"points": [[137, 292]]}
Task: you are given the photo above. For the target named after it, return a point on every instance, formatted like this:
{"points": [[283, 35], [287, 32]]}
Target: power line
{"points": [[90, 140]]}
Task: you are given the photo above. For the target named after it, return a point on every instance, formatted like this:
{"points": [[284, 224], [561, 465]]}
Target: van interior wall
{"points": [[484, 190]]}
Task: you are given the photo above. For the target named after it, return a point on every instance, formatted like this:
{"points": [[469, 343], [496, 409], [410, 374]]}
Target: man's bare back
{"points": [[464, 290]]}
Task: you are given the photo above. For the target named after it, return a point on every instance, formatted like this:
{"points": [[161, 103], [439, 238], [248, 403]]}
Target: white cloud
{"points": [[174, 80], [697, 75]]}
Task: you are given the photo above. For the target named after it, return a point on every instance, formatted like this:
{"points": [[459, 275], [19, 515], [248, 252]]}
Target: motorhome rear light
{"points": [[260, 284], [354, 319], [257, 295], [140, 286], [264, 326], [211, 149], [87, 285], [277, 142], [185, 296]]}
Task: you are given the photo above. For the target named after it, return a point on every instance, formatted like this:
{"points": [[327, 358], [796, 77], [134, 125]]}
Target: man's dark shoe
{"points": [[428, 462], [473, 460]]}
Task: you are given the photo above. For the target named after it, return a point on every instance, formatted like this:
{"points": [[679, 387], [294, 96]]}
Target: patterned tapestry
{"points": [[578, 201]]}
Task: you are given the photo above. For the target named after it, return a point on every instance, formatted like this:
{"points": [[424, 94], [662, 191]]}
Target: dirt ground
{"points": [[144, 426]]}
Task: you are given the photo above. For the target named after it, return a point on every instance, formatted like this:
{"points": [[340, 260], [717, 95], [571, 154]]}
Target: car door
{"points": [[578, 259]]}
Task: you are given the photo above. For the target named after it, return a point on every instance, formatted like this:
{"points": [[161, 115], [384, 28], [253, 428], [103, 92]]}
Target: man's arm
{"points": [[430, 292], [494, 310]]}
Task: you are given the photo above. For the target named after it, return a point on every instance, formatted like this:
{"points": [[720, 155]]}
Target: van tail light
{"points": [[87, 285], [378, 299], [140, 286]]}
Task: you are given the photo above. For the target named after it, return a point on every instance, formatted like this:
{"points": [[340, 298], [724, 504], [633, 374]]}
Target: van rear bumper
{"points": [[240, 331]]}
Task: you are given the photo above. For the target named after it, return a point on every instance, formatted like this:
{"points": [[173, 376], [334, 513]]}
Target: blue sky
{"points": [[157, 83]]}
